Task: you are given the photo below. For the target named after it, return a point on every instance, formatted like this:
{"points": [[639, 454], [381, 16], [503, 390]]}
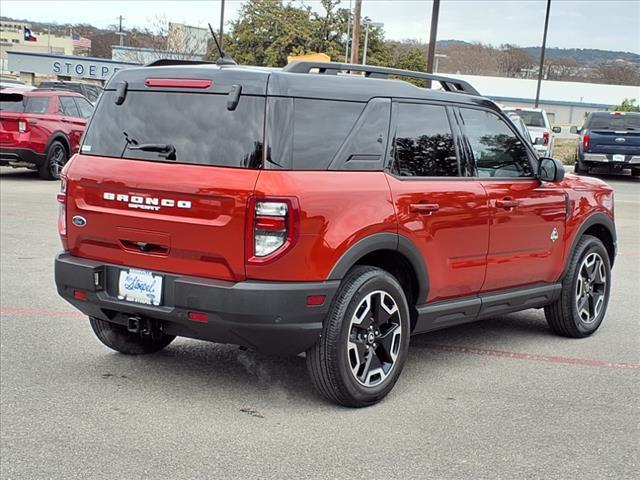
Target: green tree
{"points": [[267, 31], [627, 105]]}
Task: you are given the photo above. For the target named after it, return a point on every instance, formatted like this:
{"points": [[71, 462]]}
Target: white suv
{"points": [[539, 128]]}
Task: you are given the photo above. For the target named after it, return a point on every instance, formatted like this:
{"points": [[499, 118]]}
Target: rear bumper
{"points": [[272, 317], [608, 158], [10, 156]]}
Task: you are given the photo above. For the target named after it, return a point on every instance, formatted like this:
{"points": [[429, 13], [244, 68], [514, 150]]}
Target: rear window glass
{"points": [[195, 128], [614, 122], [17, 103], [531, 119]]}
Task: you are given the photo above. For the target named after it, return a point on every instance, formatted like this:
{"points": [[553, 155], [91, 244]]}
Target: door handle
{"points": [[507, 203], [424, 208]]}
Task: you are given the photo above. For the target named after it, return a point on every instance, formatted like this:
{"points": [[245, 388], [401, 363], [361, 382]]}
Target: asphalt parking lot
{"points": [[503, 398]]}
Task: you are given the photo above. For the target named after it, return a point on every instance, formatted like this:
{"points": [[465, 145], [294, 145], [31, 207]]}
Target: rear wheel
{"points": [[118, 338], [56, 159], [580, 168], [585, 291], [364, 342]]}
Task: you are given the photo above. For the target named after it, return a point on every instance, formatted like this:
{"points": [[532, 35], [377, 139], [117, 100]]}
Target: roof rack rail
{"points": [[165, 62], [333, 68]]}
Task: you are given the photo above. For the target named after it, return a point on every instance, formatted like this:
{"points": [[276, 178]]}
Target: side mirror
{"points": [[575, 130], [556, 129], [550, 170]]}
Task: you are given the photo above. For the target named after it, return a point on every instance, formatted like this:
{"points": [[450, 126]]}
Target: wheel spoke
{"points": [[386, 343]]}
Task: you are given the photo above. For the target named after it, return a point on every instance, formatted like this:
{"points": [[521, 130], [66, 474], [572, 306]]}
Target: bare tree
{"points": [[165, 40], [618, 73], [512, 60]]}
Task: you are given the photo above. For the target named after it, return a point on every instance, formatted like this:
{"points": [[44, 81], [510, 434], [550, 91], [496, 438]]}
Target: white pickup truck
{"points": [[539, 128]]}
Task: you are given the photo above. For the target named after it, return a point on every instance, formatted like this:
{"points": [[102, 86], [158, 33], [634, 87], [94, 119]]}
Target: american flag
{"points": [[80, 42]]}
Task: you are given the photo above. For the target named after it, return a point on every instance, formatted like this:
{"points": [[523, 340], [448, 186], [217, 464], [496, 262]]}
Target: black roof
{"points": [[292, 83]]}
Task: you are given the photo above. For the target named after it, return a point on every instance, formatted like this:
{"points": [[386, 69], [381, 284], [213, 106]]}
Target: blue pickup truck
{"points": [[611, 140]]}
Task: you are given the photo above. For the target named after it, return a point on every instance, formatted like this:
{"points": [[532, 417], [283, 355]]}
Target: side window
{"points": [[497, 151], [67, 107], [84, 106], [423, 145], [320, 128]]}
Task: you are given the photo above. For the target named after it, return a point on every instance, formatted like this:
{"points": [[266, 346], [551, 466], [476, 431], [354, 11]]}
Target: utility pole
{"points": [[544, 46], [355, 44], [120, 33], [222, 25], [346, 51], [433, 35]]}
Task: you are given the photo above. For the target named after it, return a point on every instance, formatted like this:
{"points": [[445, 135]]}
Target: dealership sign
{"points": [[65, 65]]}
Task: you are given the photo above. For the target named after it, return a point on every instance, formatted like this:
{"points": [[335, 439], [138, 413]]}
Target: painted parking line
{"points": [[585, 362]]}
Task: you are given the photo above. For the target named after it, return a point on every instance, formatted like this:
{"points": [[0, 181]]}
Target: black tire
{"points": [[580, 169], [118, 338], [57, 157], [564, 315], [635, 172], [330, 360]]}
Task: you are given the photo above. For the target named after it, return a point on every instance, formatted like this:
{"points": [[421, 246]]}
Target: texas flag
{"points": [[28, 36]]}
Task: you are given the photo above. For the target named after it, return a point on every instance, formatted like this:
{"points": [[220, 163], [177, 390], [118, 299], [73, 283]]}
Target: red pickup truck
{"points": [[307, 210], [41, 129]]}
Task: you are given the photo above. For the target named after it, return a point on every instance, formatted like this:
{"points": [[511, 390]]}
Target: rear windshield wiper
{"points": [[167, 149]]}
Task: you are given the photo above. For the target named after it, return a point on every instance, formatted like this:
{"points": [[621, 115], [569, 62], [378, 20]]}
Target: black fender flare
{"points": [[597, 218], [385, 241]]}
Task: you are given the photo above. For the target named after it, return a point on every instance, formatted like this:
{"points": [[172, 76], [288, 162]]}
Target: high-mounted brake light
{"points": [[177, 82], [585, 141], [272, 227]]}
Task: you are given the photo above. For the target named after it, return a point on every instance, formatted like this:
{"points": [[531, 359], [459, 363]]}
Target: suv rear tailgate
{"points": [[186, 219]]}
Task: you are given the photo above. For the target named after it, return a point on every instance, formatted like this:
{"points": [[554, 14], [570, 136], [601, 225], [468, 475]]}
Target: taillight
{"points": [[545, 138], [62, 212], [585, 141], [272, 227], [23, 125]]}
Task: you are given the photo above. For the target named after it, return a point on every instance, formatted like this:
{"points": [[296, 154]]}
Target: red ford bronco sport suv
{"points": [[307, 210]]}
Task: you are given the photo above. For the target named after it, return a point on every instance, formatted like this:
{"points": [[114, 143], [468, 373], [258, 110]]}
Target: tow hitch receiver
{"points": [[144, 327]]}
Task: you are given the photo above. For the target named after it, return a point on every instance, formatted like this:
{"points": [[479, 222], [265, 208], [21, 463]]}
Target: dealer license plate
{"points": [[618, 158], [140, 286]]}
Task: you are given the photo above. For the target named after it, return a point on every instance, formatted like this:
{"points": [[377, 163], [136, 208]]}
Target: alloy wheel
{"points": [[591, 287], [57, 160], [375, 334]]}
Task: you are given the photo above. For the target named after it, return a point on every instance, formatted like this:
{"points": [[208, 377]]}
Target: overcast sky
{"points": [[603, 24]]}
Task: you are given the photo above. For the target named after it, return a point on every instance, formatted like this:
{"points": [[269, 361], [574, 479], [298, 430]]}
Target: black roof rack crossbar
{"points": [[165, 62], [333, 68]]}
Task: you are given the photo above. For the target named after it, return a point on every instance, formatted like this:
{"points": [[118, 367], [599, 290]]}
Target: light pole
{"points": [[544, 46], [368, 23]]}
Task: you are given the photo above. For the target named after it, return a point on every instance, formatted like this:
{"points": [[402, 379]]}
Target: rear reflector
{"points": [[177, 82], [79, 294], [315, 300], [198, 317]]}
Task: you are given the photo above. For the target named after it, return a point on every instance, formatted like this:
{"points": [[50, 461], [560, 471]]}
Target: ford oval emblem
{"points": [[79, 221], [621, 140]]}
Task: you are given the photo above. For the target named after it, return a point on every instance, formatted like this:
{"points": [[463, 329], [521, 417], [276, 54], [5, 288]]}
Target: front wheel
{"points": [[118, 338], [364, 342], [585, 291]]}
